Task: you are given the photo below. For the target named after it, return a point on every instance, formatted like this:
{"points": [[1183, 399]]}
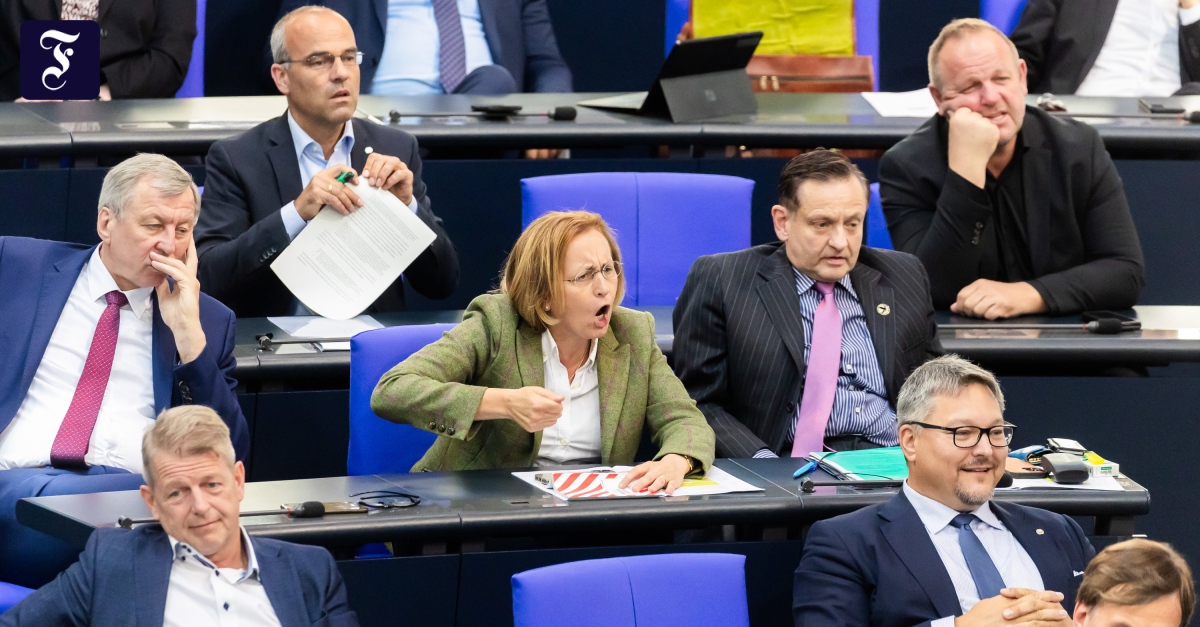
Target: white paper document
{"points": [[1108, 484], [339, 265], [601, 483], [917, 103], [316, 327]]}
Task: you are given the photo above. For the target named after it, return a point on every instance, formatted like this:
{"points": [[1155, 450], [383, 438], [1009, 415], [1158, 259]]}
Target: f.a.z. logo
{"points": [[60, 60]]}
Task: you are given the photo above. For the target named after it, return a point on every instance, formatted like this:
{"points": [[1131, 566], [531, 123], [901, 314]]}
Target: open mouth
{"points": [[602, 315]]}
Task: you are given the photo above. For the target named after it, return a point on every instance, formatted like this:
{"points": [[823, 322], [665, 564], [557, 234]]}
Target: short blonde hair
{"points": [[533, 273], [186, 431], [955, 30], [1136, 572], [164, 177]]}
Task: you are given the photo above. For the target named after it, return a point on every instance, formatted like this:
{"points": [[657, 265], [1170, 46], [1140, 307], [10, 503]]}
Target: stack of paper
{"points": [[602, 483], [917, 103]]}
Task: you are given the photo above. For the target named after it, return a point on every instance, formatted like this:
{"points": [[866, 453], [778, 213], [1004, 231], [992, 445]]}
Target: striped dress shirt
{"points": [[1012, 561]]}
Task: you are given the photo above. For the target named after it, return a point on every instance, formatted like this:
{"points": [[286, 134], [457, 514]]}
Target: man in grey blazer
{"points": [[745, 320]]}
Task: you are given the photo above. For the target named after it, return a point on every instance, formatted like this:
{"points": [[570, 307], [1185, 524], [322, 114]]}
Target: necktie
{"points": [[452, 56], [988, 581], [79, 9], [71, 443], [820, 380]]}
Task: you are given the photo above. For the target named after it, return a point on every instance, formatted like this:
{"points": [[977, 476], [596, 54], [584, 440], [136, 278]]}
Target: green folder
{"points": [[868, 464]]}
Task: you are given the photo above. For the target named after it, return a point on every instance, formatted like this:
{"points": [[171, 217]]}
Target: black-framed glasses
{"points": [[610, 271], [969, 437], [324, 60], [387, 499]]}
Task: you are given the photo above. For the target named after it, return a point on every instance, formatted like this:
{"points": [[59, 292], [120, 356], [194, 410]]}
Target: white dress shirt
{"points": [[126, 411], [1140, 55], [1014, 564], [199, 593], [409, 63], [575, 438]]}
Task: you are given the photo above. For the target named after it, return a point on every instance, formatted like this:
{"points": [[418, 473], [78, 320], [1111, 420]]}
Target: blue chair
{"points": [[876, 229], [379, 446], [1003, 14], [866, 32], [11, 594], [663, 221], [678, 13], [193, 82], [693, 589]]}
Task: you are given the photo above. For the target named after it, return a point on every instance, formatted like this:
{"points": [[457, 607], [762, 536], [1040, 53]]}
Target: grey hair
{"points": [[279, 51], [944, 376], [954, 30], [186, 431], [164, 176]]}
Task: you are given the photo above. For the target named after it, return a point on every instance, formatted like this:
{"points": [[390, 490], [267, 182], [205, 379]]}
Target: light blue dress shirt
{"points": [[1012, 561], [411, 50]]}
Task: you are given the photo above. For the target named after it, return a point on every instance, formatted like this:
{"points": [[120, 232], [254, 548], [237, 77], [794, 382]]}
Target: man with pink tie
{"points": [[802, 344]]}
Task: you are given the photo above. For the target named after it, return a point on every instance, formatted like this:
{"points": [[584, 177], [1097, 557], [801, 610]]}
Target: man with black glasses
{"points": [[941, 553], [265, 185]]}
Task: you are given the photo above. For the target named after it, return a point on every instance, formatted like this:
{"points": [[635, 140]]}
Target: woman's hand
{"points": [[533, 407], [664, 474]]}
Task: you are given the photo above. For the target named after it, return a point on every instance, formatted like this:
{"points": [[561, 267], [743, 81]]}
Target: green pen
{"points": [[345, 176]]}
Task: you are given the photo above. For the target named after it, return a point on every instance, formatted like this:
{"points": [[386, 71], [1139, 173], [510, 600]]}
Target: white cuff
{"points": [[412, 205], [1190, 16], [765, 453], [948, 621], [292, 222]]}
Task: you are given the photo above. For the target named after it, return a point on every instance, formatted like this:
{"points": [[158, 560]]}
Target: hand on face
{"points": [[324, 189], [180, 307], [533, 407], [389, 173], [995, 300], [665, 474], [1017, 606], [973, 140]]}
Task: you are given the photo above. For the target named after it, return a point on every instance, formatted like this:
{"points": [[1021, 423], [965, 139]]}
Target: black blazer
{"points": [[240, 230], [1060, 40], [519, 36], [739, 337], [878, 567], [1083, 244], [145, 45]]}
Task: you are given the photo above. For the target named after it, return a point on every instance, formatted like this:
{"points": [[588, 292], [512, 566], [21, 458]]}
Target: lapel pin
{"points": [[1040, 532], [368, 150], [883, 309]]}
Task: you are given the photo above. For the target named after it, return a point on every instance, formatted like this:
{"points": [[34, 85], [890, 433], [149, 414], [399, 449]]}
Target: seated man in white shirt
{"points": [[1136, 582], [1110, 47], [96, 341], [198, 566], [942, 553]]}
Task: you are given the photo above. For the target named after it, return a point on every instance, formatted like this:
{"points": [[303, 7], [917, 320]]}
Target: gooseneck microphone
{"points": [[1102, 326], [307, 509], [497, 113], [808, 486]]}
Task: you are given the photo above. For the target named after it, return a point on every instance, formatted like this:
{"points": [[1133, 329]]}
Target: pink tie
{"points": [[71, 443], [820, 381]]}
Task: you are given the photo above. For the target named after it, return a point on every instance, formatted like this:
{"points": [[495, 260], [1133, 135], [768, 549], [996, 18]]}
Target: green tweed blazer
{"points": [[439, 389]]}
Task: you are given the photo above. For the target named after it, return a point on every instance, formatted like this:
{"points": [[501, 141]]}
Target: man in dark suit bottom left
{"points": [[198, 566]]}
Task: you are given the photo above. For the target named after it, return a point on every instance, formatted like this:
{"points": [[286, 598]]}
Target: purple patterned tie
{"points": [[820, 380], [452, 61], [71, 443]]}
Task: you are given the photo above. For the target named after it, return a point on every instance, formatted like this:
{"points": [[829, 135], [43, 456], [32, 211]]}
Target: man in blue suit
{"points": [[941, 553], [98, 340], [505, 46], [198, 566]]}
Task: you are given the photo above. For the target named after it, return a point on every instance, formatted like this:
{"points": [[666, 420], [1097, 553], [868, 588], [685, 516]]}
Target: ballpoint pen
{"points": [[805, 469]]}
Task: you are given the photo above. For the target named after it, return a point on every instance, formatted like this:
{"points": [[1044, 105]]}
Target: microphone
{"points": [[808, 486], [494, 112], [1005, 481], [307, 509], [1105, 326], [1100, 326]]}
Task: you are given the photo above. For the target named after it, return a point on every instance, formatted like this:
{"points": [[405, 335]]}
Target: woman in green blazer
{"points": [[549, 371]]}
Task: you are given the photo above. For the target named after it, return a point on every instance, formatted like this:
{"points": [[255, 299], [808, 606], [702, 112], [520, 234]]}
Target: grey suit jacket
{"points": [[739, 337]]}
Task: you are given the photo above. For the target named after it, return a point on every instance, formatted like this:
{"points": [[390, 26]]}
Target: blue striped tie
{"points": [[988, 581], [452, 61]]}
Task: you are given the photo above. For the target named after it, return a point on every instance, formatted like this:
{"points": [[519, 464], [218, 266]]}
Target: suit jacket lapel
{"points": [[1039, 194], [101, 8], [162, 346], [778, 294], [152, 575], [358, 154], [56, 289], [873, 292], [1050, 561], [1099, 25], [381, 15], [282, 155], [491, 30], [282, 586], [530, 366], [612, 366], [907, 536]]}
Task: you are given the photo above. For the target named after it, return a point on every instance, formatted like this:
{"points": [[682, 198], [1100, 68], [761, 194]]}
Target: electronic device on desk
{"points": [[1065, 468], [1105, 318]]}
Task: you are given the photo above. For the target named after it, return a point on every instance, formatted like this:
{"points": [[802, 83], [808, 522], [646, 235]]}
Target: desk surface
{"points": [[1168, 335], [477, 504], [189, 126]]}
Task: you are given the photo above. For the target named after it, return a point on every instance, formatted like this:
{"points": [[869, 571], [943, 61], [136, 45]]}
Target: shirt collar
{"points": [[805, 283], [183, 549], [302, 140], [550, 350], [936, 516], [100, 282]]}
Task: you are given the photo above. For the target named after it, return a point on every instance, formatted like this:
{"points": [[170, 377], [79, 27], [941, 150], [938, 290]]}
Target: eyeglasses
{"points": [[387, 499], [610, 271], [324, 60], [969, 437]]}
